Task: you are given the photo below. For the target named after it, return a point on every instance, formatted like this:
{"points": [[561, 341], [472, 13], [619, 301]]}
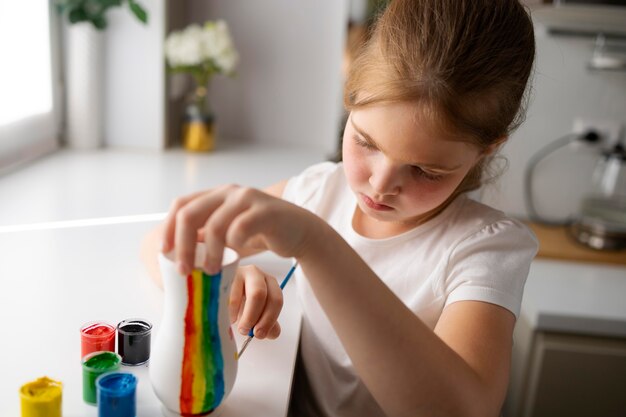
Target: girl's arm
{"points": [[460, 369]]}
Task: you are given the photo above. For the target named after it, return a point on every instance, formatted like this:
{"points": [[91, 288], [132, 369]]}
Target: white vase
{"points": [[193, 364], [84, 82]]}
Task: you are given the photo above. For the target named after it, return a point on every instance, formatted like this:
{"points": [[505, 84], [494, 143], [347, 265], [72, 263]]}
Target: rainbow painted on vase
{"points": [[202, 387]]}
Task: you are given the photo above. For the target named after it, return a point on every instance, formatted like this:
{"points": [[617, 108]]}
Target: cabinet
{"points": [[562, 374], [569, 344]]}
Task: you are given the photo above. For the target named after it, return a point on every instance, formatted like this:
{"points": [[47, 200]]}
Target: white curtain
{"points": [[29, 99]]}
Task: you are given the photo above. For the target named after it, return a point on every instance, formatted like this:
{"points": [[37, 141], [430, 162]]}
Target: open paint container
{"points": [[133, 341], [96, 336], [41, 397], [117, 395], [94, 365]]}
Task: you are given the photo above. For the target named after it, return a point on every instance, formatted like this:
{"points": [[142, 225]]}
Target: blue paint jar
{"points": [[117, 395]]}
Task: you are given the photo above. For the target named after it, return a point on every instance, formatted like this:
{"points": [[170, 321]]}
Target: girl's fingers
{"points": [[274, 331], [189, 219], [217, 226], [256, 298], [273, 305], [236, 296], [169, 224]]}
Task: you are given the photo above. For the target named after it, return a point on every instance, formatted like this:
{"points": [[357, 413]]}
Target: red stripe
{"points": [[186, 387]]}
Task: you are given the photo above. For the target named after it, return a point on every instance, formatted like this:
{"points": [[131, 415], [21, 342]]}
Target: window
{"points": [[29, 107]]}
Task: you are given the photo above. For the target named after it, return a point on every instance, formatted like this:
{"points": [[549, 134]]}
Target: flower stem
{"points": [[202, 79]]}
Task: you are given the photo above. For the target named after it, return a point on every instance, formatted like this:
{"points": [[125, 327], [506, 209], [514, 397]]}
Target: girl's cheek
{"points": [[355, 162], [438, 191], [354, 170], [425, 189]]}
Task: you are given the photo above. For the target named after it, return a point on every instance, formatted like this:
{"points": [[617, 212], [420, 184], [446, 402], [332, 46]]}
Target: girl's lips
{"points": [[374, 205]]}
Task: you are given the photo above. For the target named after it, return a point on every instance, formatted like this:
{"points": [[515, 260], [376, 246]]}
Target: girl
{"points": [[409, 289]]}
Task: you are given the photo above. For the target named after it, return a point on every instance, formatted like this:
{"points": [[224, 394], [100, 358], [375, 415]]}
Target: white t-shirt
{"points": [[468, 252]]}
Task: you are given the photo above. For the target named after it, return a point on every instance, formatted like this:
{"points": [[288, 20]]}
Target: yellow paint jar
{"points": [[41, 398]]}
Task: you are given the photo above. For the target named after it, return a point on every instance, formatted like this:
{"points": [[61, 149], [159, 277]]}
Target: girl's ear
{"points": [[491, 149]]}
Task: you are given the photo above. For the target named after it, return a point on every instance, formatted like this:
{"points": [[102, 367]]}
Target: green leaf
{"points": [[138, 11], [77, 15], [99, 22]]}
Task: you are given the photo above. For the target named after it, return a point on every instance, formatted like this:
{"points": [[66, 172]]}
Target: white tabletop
{"points": [[55, 280], [71, 184]]}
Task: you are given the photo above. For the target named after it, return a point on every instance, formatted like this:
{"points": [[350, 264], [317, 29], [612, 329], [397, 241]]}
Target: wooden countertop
{"points": [[555, 242]]}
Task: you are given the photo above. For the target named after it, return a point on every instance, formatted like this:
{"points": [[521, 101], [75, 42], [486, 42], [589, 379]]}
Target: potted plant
{"points": [[94, 11], [84, 77]]}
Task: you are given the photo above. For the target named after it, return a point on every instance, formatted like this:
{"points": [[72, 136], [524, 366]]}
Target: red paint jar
{"points": [[95, 337]]}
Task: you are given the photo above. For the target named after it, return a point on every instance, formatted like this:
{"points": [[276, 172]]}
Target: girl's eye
{"points": [[419, 172], [363, 143]]}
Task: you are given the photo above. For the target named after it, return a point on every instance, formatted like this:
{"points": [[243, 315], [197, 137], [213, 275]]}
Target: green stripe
{"points": [[207, 347]]}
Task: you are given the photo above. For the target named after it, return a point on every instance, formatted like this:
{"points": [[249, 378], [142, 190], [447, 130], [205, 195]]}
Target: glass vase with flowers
{"points": [[202, 52]]}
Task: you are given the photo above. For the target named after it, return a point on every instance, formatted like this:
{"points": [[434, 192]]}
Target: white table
{"points": [[55, 280]]}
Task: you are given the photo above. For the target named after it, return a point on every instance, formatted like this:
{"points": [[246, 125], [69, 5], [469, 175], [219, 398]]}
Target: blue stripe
{"points": [[216, 345]]}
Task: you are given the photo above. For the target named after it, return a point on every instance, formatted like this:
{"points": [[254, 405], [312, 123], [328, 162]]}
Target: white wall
{"points": [[288, 88], [563, 89]]}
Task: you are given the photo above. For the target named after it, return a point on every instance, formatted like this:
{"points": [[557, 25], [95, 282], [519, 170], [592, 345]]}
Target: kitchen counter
{"points": [[576, 298], [556, 242]]}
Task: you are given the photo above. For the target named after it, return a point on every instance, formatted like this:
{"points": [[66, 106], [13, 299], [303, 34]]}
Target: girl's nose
{"points": [[385, 179]]}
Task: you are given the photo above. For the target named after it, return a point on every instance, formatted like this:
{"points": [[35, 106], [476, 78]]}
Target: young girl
{"points": [[409, 289]]}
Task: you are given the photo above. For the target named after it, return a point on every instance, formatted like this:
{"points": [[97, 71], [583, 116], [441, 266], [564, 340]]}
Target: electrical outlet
{"points": [[610, 131]]}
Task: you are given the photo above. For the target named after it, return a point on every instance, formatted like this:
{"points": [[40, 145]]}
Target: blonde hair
{"points": [[466, 63]]}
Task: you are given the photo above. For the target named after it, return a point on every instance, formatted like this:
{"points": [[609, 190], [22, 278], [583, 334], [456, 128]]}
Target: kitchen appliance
{"points": [[601, 223], [598, 219]]}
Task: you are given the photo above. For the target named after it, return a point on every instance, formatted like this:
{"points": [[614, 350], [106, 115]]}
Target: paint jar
{"points": [[133, 341], [41, 398], [94, 365], [117, 395], [96, 337]]}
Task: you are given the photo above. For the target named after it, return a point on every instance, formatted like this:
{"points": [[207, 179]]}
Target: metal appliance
{"points": [[599, 221]]}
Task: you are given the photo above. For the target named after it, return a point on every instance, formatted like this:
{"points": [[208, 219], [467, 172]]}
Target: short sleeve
{"points": [[491, 265], [303, 189]]}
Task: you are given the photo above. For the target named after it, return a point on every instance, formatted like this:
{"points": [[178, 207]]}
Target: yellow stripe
{"points": [[198, 386]]}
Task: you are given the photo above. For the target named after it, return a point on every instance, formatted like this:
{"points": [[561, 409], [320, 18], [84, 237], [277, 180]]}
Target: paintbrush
{"points": [[251, 332]]}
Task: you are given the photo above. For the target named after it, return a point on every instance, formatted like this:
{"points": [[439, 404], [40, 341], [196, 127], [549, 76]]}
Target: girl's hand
{"points": [[244, 219], [255, 301]]}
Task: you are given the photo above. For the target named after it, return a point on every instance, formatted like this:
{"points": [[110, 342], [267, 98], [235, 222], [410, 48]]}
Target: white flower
{"points": [[197, 45], [225, 55], [184, 48]]}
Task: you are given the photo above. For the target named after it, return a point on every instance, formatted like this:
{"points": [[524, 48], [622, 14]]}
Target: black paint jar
{"points": [[133, 341]]}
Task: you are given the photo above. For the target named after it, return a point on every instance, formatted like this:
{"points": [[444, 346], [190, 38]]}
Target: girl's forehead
{"points": [[403, 118], [405, 133]]}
